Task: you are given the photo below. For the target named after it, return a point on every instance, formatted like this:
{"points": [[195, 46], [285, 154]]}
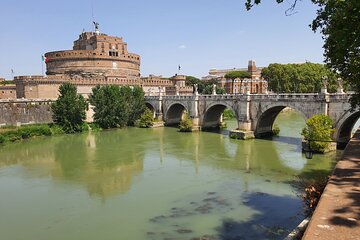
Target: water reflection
{"points": [[105, 163]]}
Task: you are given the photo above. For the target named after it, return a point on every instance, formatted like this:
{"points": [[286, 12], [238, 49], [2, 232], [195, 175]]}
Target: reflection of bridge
{"points": [[258, 112]]}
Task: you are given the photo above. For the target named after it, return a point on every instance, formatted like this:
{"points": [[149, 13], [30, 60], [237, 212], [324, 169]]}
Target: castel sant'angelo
{"points": [[96, 59], [99, 59]]}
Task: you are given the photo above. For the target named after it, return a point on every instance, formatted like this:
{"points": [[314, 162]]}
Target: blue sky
{"points": [[197, 34]]}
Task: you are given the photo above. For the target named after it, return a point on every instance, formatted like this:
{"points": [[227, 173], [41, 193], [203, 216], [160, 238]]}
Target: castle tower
{"points": [[252, 66], [95, 54]]}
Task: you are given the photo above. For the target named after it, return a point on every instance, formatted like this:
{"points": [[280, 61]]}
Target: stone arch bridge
{"points": [[256, 113]]}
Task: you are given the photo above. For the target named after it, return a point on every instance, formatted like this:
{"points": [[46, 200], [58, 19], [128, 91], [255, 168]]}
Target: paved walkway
{"points": [[338, 214]]}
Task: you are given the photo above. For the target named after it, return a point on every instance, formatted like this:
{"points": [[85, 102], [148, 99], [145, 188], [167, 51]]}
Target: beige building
{"points": [[255, 84], [7, 89]]}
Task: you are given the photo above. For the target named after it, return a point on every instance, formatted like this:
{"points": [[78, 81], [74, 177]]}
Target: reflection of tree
{"points": [[70, 153], [35, 154], [105, 163]]}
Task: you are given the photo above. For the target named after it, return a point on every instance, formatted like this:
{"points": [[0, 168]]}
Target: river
{"points": [[155, 184]]}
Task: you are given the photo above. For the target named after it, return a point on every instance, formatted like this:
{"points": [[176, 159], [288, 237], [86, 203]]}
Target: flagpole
{"points": [[42, 66]]}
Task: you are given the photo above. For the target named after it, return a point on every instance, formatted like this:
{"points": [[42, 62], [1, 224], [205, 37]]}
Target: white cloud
{"points": [[182, 46]]}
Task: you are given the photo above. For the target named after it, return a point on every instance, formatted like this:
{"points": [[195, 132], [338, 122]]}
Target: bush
{"points": [[228, 114], [318, 127], [69, 110], [186, 124], [276, 130], [146, 119], [25, 132], [56, 129], [94, 127]]}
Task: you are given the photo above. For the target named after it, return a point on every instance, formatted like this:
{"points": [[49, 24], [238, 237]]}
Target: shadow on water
{"points": [[276, 216], [296, 141]]}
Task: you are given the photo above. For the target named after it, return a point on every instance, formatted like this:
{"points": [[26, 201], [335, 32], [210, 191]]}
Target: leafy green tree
{"points": [[137, 104], [204, 87], [69, 110], [116, 106], [209, 89], [186, 124], [233, 75], [318, 127], [190, 81], [146, 119], [339, 23], [300, 78]]}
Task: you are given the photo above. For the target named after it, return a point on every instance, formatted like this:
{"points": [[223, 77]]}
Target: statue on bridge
{"points": [[214, 89], [196, 89]]}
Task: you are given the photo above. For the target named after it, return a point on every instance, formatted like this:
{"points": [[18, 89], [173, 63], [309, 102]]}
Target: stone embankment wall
{"points": [[23, 111]]}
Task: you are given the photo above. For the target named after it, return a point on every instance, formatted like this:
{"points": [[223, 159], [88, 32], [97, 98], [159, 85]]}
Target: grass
{"points": [[14, 134]]}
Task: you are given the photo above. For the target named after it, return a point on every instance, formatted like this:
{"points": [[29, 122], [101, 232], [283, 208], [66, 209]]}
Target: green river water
{"points": [[155, 184]]}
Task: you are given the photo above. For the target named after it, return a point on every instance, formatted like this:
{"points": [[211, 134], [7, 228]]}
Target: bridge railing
{"points": [[281, 96]]}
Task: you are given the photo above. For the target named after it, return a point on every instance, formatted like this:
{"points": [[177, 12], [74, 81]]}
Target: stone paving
{"points": [[338, 214]]}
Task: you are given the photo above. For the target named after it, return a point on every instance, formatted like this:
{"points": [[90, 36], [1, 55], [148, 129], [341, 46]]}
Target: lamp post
{"points": [[308, 151]]}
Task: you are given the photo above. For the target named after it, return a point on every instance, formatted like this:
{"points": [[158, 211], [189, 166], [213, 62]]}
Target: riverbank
{"points": [[337, 215]]}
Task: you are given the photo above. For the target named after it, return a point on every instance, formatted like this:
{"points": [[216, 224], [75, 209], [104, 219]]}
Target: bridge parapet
{"points": [[178, 97], [340, 96]]}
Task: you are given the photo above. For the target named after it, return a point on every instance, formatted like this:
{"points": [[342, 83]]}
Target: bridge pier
{"points": [[243, 132], [194, 113]]}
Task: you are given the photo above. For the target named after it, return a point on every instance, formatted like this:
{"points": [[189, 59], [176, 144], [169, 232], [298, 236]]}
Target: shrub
{"points": [[318, 127], [276, 130], [95, 127], [2, 139], [228, 114], [56, 129], [146, 119], [69, 110], [186, 124]]}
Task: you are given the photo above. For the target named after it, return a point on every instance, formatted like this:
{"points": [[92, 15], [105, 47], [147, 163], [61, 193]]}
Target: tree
{"points": [[146, 119], [318, 127], [237, 75], [116, 106], [339, 23], [190, 81], [204, 87], [69, 110], [300, 78], [209, 89]]}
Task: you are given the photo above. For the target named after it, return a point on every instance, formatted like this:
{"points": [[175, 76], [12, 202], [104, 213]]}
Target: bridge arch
{"points": [[213, 115], [265, 122], [344, 127], [174, 113]]}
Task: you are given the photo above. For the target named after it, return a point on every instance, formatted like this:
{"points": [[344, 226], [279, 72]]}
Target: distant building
{"points": [[255, 83]]}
